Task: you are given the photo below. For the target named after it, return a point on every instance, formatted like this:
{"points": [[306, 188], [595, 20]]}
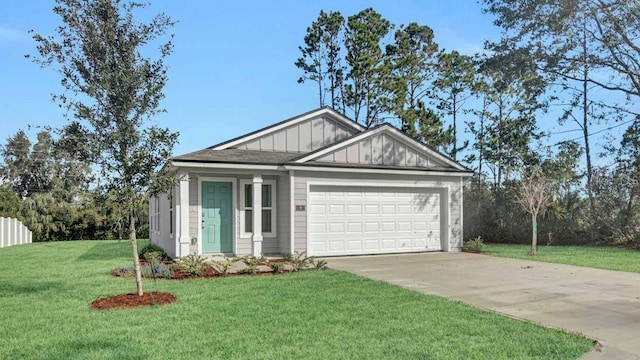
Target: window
{"points": [[268, 208]]}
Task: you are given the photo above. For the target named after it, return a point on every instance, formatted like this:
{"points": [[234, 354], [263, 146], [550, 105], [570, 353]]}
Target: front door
{"points": [[217, 219]]}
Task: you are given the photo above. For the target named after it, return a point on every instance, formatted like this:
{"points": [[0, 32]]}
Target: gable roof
{"points": [[289, 122], [384, 128]]}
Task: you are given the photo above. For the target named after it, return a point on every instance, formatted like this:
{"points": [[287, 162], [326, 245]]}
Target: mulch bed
{"points": [[123, 301]]}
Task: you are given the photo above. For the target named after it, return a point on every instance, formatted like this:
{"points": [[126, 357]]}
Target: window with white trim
{"points": [[268, 208]]}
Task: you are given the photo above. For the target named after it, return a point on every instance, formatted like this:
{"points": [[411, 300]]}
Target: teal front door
{"points": [[217, 219]]}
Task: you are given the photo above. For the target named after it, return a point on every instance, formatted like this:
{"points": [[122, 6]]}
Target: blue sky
{"points": [[232, 68]]}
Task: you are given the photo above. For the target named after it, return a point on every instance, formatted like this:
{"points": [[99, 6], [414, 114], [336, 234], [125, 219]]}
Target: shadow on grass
{"points": [[93, 348], [10, 289], [107, 250]]}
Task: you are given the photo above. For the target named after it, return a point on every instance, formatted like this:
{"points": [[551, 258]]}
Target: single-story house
{"points": [[318, 182]]}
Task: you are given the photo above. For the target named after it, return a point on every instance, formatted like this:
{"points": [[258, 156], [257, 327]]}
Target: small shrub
{"points": [[223, 267], [288, 257], [300, 261], [150, 248], [277, 267], [318, 264], [475, 244], [193, 264]]}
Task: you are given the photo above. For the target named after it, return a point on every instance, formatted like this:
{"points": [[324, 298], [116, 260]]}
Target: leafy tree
{"points": [[9, 203], [511, 90], [411, 60], [98, 52], [455, 76], [15, 171], [368, 72], [321, 60]]}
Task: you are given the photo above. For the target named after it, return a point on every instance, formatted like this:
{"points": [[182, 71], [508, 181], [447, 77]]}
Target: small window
{"points": [[268, 207]]}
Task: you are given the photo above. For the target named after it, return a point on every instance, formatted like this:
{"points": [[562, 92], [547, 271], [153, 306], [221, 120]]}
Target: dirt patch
{"points": [[123, 301]]}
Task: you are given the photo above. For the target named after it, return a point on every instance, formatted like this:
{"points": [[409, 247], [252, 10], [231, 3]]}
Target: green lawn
{"points": [[609, 258], [45, 289]]}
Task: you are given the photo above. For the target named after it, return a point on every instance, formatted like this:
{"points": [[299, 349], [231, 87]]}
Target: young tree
{"points": [[321, 60], [534, 194], [368, 72], [99, 53]]}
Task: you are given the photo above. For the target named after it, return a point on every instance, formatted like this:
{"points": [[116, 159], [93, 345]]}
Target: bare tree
{"points": [[535, 194]]}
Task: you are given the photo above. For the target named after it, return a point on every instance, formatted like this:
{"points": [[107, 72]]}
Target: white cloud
{"points": [[9, 34]]}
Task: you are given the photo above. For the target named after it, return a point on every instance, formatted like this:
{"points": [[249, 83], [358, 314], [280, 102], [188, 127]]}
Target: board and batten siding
{"points": [[454, 184], [270, 245], [306, 136], [380, 149]]}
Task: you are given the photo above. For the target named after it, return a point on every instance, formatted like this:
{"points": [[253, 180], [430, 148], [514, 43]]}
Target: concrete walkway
{"points": [[601, 304]]}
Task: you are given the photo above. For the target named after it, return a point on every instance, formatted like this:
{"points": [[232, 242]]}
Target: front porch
{"points": [[246, 213]]}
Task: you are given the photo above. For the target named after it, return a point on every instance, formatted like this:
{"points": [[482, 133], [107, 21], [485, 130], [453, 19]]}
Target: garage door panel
{"points": [[336, 227], [318, 209], [404, 226], [354, 227], [365, 220]]}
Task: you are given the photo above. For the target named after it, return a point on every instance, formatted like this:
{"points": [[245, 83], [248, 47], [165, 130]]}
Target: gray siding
{"points": [[454, 201], [160, 233], [305, 136], [381, 149]]}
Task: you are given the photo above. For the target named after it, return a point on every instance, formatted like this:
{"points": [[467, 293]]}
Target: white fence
{"points": [[13, 232]]}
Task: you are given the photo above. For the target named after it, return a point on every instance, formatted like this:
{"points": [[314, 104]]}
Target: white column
{"points": [[181, 213], [256, 238], [292, 211], [29, 234]]}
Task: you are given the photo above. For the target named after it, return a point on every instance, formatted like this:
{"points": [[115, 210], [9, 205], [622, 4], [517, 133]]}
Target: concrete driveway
{"points": [[602, 304]]}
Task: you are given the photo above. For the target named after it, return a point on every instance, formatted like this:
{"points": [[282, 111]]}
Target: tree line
{"points": [[575, 62]]}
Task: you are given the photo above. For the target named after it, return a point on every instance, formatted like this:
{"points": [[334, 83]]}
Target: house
{"points": [[318, 182]]}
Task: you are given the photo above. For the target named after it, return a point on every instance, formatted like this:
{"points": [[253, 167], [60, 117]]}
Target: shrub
{"points": [[475, 244], [152, 248], [223, 267], [300, 260], [193, 264], [277, 267], [318, 264]]}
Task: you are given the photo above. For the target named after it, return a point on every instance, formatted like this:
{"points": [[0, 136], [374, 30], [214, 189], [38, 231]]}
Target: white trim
{"points": [[323, 111], [225, 165], [292, 211], [383, 128], [234, 212], [445, 199], [375, 171], [461, 213], [241, 208]]}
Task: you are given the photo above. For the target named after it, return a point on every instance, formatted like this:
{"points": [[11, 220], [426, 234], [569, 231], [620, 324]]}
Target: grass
{"points": [[45, 290], [609, 258]]}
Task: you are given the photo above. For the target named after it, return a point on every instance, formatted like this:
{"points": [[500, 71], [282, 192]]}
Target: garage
{"points": [[358, 220]]}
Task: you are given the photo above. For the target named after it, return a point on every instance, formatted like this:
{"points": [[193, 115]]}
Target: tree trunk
{"points": [[534, 235], [134, 246], [454, 151], [585, 132]]}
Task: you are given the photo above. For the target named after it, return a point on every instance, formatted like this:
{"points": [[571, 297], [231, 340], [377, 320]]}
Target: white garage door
{"points": [[347, 220]]}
